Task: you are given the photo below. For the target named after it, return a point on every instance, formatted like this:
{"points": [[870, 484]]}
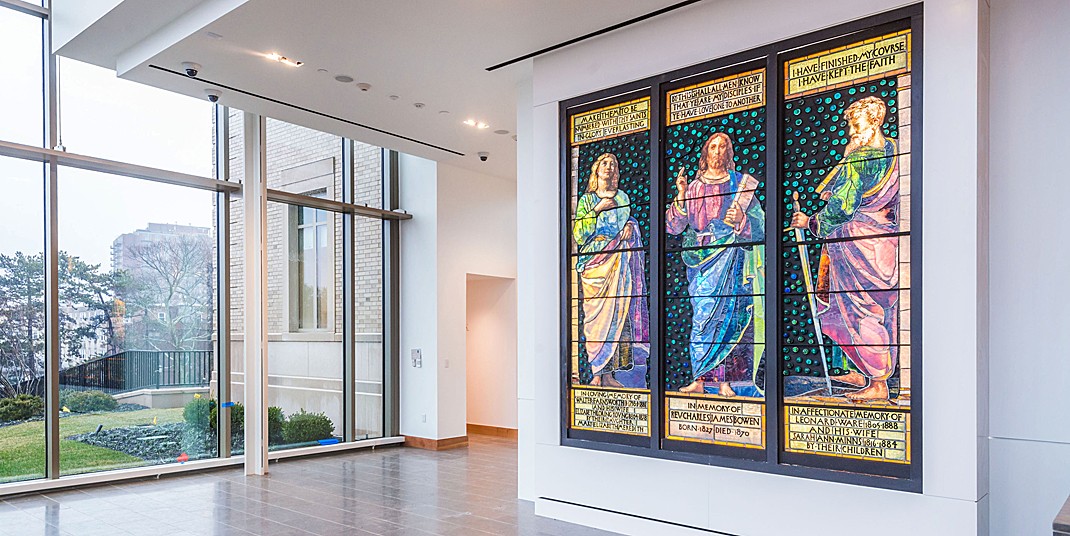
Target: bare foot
{"points": [[609, 381], [596, 380], [726, 390], [877, 390], [851, 378], [696, 387]]}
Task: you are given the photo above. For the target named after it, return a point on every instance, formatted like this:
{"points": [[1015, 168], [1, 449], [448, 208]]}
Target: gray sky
{"points": [[104, 117]]}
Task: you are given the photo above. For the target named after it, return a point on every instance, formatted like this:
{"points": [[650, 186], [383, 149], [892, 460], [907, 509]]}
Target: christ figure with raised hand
{"points": [[721, 220]]}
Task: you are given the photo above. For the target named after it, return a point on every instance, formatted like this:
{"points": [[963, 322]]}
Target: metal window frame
{"points": [[223, 349], [391, 169], [53, 347], [319, 260], [290, 198], [26, 7], [349, 354]]}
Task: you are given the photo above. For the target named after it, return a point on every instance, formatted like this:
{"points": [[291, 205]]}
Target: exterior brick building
{"points": [[305, 364]]}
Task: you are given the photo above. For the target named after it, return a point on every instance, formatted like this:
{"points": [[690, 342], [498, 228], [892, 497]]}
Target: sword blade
{"points": [[804, 260]]}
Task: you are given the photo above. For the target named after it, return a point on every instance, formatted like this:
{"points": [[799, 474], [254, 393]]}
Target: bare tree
{"points": [[168, 294]]}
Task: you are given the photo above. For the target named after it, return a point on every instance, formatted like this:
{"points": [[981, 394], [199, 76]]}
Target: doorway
{"points": [[490, 355]]}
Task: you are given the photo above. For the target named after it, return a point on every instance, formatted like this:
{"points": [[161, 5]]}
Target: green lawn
{"points": [[22, 446]]}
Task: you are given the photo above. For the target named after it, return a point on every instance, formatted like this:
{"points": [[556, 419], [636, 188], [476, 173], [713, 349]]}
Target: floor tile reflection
{"points": [[385, 492]]}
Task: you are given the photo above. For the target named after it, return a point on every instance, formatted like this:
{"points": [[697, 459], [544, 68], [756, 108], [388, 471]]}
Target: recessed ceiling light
{"points": [[321, 70], [470, 122], [394, 97], [481, 125], [344, 79], [275, 56], [443, 112], [213, 35], [501, 131]]}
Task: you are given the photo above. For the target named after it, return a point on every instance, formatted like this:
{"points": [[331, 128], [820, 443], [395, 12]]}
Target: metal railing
{"points": [[139, 369]]}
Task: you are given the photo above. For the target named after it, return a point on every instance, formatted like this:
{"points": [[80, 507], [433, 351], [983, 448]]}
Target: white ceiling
{"points": [[428, 51]]}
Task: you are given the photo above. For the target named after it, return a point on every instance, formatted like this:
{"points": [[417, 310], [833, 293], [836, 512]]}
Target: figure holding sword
{"points": [[855, 301], [716, 211]]}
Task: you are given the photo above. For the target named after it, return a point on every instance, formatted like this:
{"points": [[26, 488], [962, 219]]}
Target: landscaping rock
{"points": [[162, 443]]}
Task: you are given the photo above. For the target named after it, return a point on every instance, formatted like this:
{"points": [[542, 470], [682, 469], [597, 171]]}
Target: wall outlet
{"points": [[447, 363], [423, 418], [417, 358]]}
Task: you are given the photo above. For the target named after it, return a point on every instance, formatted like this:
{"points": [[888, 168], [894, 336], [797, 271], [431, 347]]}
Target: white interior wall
{"points": [[712, 498], [490, 351], [464, 223], [476, 235], [527, 240], [1030, 424], [419, 296]]}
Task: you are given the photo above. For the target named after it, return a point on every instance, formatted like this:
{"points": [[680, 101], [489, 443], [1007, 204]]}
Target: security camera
{"points": [[364, 86], [213, 94], [191, 68], [483, 156]]}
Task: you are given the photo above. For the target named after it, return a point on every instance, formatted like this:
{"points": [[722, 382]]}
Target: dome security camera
{"points": [[213, 94], [483, 156], [191, 68]]}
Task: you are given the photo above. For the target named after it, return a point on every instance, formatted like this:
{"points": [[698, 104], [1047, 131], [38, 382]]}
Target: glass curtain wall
{"points": [[317, 305], [135, 268], [22, 281], [368, 283], [24, 77], [140, 285], [107, 117], [306, 328], [22, 321], [136, 333]]}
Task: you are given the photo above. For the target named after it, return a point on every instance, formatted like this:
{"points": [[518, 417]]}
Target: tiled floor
{"points": [[389, 491]]}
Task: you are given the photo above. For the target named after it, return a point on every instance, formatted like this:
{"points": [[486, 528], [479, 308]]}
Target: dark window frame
{"points": [[773, 459]]}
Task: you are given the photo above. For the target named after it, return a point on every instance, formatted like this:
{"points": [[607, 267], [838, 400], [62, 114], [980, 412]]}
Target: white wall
{"points": [[527, 239], [490, 351], [476, 233], [464, 223], [738, 502], [1030, 342], [419, 296]]}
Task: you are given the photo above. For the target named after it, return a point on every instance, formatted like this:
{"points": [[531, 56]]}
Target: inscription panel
{"points": [[863, 433], [604, 410], [718, 422]]}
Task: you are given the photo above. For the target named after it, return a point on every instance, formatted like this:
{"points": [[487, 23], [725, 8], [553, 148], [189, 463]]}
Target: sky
{"points": [[104, 117]]}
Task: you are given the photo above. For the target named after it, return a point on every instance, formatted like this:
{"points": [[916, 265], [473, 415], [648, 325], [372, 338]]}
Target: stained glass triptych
{"points": [[782, 318]]}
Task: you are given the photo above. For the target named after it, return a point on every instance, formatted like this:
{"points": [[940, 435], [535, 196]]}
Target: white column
{"points": [[254, 195]]}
